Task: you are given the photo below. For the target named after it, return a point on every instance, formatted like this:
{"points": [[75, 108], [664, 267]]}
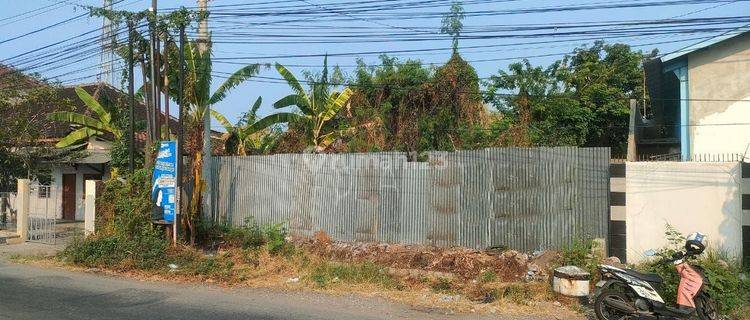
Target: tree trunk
{"points": [[195, 201]]}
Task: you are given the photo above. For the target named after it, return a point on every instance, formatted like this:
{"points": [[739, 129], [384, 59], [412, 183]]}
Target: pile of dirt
{"points": [[465, 263]]}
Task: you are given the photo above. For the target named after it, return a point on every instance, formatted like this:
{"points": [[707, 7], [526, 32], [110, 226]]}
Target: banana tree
{"points": [[90, 127], [198, 79], [197, 100], [316, 108], [248, 136]]}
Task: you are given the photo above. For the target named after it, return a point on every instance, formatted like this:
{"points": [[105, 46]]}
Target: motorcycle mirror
{"points": [[649, 253]]}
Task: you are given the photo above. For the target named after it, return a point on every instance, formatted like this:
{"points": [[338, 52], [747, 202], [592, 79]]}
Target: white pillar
{"points": [[90, 207], [23, 206]]}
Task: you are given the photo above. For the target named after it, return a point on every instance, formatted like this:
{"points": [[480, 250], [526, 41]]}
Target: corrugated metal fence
{"points": [[519, 198]]}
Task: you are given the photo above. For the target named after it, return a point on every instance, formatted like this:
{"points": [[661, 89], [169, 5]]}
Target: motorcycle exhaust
{"points": [[620, 305]]}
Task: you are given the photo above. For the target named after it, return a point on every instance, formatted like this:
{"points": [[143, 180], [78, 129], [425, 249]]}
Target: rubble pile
{"points": [[466, 263]]}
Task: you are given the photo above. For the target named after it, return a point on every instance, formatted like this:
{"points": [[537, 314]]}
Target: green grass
{"points": [[327, 273]]}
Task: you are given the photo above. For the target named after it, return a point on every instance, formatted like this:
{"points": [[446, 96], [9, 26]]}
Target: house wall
{"points": [[719, 72], [57, 175], [691, 196]]}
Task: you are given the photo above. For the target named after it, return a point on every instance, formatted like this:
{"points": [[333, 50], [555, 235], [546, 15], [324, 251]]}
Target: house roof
{"points": [[52, 131], [95, 157], [705, 44]]}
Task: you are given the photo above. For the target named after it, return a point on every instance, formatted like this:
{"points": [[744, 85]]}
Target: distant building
{"points": [[68, 174], [699, 101]]}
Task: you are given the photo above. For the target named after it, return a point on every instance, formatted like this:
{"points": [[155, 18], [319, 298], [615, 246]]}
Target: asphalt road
{"points": [[29, 292]]}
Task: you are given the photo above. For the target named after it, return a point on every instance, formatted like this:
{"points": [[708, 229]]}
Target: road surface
{"points": [[30, 292]]}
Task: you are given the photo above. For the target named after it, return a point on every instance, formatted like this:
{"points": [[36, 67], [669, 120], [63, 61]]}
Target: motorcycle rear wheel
{"points": [[605, 312], [706, 308]]}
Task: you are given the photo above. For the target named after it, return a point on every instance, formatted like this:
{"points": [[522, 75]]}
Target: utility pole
{"points": [[131, 98], [156, 93], [204, 43], [632, 152], [180, 134], [167, 117], [107, 57], [203, 37]]}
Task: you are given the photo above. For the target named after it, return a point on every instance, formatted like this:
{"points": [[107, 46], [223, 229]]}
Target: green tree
{"points": [[197, 98], [248, 135], [317, 108], [90, 127], [581, 100], [541, 111], [452, 23], [409, 107], [603, 77], [23, 99]]}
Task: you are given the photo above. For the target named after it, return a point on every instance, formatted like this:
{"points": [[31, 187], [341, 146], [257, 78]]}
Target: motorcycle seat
{"points": [[648, 277]]}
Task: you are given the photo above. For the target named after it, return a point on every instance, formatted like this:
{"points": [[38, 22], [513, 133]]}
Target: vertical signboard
{"points": [[163, 189]]}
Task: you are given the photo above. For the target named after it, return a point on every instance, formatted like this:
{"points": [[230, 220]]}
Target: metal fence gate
{"points": [[42, 214]]}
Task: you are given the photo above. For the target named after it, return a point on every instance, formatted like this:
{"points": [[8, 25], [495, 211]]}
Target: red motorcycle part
{"points": [[690, 284]]}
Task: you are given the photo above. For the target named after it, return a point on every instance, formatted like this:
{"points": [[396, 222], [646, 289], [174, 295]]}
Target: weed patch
{"points": [[517, 293], [442, 285], [327, 273]]}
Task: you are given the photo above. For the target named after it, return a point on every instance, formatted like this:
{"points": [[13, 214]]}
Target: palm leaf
{"points": [[77, 136], [282, 117], [233, 81], [191, 69], [203, 81], [325, 141], [294, 100], [336, 102], [222, 120], [256, 105], [77, 118], [293, 82], [94, 105], [116, 132]]}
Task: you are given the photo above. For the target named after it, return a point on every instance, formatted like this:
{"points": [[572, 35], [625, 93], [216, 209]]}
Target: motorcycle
{"points": [[628, 294]]}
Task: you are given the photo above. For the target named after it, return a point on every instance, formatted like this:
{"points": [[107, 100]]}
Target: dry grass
{"points": [[257, 268]]}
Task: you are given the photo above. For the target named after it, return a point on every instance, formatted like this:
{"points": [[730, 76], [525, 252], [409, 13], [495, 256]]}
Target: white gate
{"points": [[42, 214]]}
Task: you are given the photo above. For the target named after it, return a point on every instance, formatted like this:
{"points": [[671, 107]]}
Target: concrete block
{"points": [[90, 208], [571, 281]]}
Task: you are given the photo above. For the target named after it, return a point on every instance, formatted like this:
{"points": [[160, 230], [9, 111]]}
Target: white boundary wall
{"points": [[690, 196]]}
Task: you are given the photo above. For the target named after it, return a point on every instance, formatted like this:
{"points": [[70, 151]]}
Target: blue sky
{"points": [[254, 29]]}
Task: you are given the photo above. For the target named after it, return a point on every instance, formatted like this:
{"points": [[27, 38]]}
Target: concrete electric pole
{"points": [[155, 91], [108, 43], [204, 42]]}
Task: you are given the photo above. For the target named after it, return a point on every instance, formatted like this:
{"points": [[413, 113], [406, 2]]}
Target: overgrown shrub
{"points": [[144, 250], [248, 236], [125, 206], [210, 233], [579, 254], [252, 235], [126, 238], [726, 287]]}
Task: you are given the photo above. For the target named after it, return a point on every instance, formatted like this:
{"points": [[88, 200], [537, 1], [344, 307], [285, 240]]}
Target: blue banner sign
{"points": [[163, 189]]}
